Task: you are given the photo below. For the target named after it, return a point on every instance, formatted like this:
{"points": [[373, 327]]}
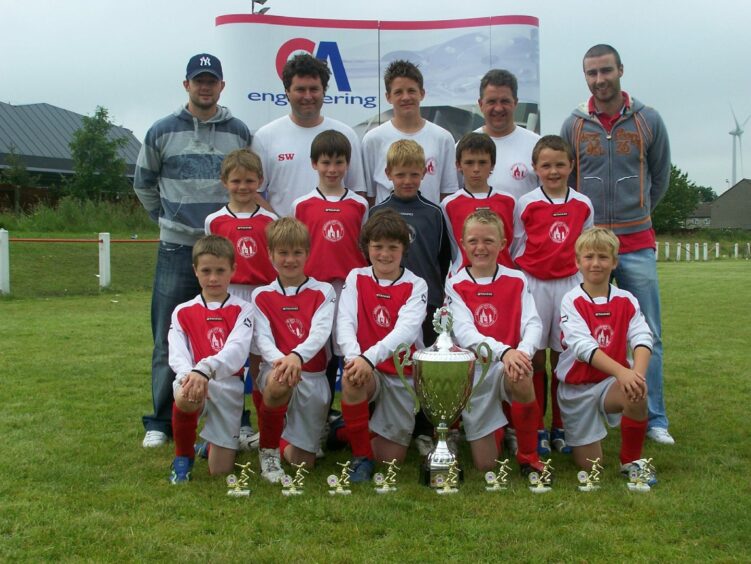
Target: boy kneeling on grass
{"points": [[381, 307], [209, 340], [293, 316], [600, 323]]}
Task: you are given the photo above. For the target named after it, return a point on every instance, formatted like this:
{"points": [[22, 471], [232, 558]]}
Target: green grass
{"points": [[76, 485]]}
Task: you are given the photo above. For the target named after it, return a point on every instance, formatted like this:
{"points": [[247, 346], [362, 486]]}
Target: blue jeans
{"points": [[174, 283], [637, 273]]}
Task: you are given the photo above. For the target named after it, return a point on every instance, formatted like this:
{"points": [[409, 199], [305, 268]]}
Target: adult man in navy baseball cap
{"points": [[203, 63]]}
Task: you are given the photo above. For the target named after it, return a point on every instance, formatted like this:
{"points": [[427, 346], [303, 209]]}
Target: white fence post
{"points": [[667, 250], [678, 252], [688, 252], [696, 251], [735, 250], [4, 262], [716, 250], [748, 250], [105, 274], [705, 251]]}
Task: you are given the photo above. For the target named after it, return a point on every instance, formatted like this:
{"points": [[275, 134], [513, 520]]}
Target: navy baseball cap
{"points": [[202, 63]]}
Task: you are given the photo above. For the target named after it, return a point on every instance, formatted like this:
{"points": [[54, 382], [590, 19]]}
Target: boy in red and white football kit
{"points": [[492, 304], [381, 307], [334, 216], [294, 316], [209, 340], [404, 91], [548, 221], [243, 221], [600, 324], [475, 159]]}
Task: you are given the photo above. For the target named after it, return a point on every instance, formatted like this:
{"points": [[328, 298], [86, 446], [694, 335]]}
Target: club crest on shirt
{"points": [[430, 166], [558, 232], [519, 171], [216, 338], [333, 230], [295, 327], [412, 233], [485, 315], [603, 335], [381, 316], [247, 247]]}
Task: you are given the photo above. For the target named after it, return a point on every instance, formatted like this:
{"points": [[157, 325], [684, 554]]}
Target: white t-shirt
{"points": [[440, 158], [284, 148], [513, 172]]}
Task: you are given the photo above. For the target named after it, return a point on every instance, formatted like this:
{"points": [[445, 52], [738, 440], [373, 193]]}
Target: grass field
{"points": [[76, 485]]}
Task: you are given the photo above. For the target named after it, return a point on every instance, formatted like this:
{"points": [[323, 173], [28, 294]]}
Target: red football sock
{"points": [[342, 434], [498, 434], [184, 426], [632, 438], [257, 396], [356, 418], [557, 420], [272, 424], [282, 447], [525, 418], [538, 379]]}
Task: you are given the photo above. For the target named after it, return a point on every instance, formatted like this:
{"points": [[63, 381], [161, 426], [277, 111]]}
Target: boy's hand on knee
{"points": [[634, 385], [288, 370], [195, 387], [517, 364], [357, 371]]}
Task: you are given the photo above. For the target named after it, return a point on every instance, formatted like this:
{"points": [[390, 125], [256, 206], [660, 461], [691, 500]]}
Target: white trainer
{"points": [[661, 436], [154, 439], [248, 439], [271, 464]]}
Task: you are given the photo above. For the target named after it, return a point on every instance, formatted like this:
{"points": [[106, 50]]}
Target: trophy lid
{"points": [[444, 349]]}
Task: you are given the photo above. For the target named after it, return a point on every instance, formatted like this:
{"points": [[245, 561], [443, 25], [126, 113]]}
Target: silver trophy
{"points": [[443, 376]]}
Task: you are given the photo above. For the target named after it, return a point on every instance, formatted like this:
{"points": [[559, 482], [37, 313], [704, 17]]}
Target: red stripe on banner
{"points": [[469, 22], [301, 22], [374, 24]]}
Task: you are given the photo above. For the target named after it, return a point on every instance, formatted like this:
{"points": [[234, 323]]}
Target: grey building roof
{"points": [[41, 134]]}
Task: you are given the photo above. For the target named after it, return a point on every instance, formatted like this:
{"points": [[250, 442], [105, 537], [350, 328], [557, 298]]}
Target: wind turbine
{"points": [[737, 133]]}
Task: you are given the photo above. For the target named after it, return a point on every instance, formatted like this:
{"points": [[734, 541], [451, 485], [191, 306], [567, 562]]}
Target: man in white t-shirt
{"points": [[513, 167], [404, 91], [284, 144]]}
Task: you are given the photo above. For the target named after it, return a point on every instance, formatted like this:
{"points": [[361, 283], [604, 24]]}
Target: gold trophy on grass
{"points": [[443, 376]]}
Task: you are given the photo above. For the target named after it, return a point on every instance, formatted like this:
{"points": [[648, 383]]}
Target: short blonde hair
{"points": [[241, 158], [213, 245], [485, 217], [287, 232], [597, 239], [405, 152]]}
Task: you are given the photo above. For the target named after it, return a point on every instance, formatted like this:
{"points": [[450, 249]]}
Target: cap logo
{"points": [[205, 61]]}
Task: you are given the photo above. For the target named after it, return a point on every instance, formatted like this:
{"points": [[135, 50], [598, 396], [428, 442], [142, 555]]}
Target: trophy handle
{"points": [[401, 359], [484, 356]]}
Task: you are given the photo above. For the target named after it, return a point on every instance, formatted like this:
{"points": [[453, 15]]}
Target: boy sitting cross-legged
{"points": [[600, 324], [294, 316], [209, 340], [381, 307]]}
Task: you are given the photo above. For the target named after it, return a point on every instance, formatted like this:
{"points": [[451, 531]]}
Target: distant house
{"points": [[732, 209], [41, 134], [701, 217]]}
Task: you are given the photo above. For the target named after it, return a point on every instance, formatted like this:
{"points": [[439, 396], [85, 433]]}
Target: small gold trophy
{"points": [[340, 484], [541, 482], [447, 484], [294, 486], [640, 476], [239, 486], [386, 483], [590, 481], [498, 481]]}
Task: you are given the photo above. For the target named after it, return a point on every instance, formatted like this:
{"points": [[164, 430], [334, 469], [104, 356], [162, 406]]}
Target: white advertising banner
{"points": [[452, 55]]}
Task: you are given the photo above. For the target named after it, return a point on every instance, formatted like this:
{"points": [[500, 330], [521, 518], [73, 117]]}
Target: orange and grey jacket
{"points": [[625, 172]]}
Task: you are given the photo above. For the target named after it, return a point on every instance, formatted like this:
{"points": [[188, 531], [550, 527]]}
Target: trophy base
{"points": [[238, 493], [385, 489], [638, 487], [291, 492], [428, 475], [588, 488], [340, 492], [540, 489], [496, 488]]}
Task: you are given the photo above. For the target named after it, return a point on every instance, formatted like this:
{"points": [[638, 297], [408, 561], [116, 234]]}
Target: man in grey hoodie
{"points": [[622, 163], [177, 181]]}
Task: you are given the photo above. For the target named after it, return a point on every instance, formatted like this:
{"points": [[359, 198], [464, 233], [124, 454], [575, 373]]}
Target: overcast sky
{"points": [[688, 59]]}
